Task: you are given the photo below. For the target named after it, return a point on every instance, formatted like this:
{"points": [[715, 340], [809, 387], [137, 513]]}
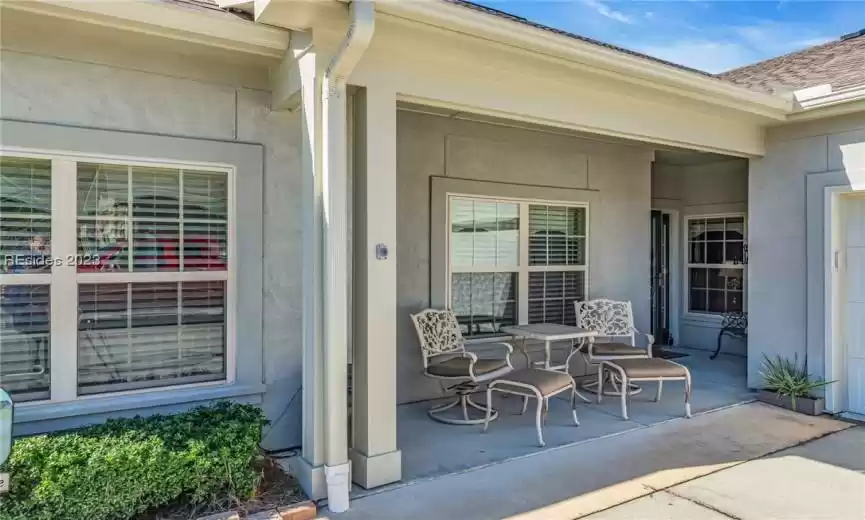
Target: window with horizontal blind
{"points": [[497, 247], [147, 251], [716, 266]]}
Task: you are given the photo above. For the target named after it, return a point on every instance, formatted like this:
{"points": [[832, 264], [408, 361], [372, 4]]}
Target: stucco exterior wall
{"points": [[615, 176], [713, 188], [786, 227], [94, 77]]}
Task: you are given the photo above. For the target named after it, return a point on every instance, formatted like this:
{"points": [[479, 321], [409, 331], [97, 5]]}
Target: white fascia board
{"points": [[163, 19], [626, 67], [820, 102], [825, 97]]}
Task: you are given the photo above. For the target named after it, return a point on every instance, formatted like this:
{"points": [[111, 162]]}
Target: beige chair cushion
{"points": [[546, 381], [617, 349], [640, 368], [459, 367]]}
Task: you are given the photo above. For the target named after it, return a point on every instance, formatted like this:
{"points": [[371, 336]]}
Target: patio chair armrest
{"points": [[508, 347], [650, 340]]}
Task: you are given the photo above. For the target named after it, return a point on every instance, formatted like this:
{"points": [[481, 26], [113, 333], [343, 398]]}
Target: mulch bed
{"points": [[276, 489]]}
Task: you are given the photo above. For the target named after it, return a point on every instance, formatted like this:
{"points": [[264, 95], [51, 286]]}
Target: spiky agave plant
{"points": [[786, 378]]}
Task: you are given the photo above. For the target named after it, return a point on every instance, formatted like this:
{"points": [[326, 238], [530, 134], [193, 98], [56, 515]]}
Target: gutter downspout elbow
{"points": [[336, 263]]}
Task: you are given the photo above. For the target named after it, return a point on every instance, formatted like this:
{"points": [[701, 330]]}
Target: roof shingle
{"points": [[840, 63]]}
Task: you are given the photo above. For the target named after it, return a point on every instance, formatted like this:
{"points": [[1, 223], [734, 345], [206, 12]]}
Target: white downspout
{"points": [[335, 197]]}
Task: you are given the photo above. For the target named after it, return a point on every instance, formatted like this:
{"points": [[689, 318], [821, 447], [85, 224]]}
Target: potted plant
{"points": [[790, 386]]}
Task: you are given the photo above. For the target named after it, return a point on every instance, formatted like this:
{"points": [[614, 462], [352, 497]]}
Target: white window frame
{"points": [[523, 268], [64, 279], [686, 275]]}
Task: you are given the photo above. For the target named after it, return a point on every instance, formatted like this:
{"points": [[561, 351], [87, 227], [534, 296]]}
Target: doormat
{"points": [[667, 354]]}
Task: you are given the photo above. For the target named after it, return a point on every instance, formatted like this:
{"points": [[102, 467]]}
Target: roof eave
{"points": [[846, 101], [628, 68], [171, 21]]}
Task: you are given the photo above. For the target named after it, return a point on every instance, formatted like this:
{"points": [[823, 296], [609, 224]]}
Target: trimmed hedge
{"points": [[124, 467]]}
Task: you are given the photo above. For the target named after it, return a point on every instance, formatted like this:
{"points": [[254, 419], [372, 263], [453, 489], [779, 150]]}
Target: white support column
{"points": [[309, 466], [375, 458], [64, 286]]}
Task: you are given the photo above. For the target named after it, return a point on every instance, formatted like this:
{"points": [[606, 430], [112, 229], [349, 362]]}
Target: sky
{"points": [[713, 36]]}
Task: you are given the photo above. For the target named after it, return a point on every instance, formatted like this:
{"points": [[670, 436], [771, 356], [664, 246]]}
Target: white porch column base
{"points": [[377, 470], [311, 478]]}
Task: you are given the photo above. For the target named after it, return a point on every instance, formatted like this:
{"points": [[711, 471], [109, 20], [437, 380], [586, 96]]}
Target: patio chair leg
{"points": [[525, 405], [624, 398], [660, 389], [574, 404], [601, 381], [489, 408], [688, 394], [546, 409], [539, 421], [464, 402]]}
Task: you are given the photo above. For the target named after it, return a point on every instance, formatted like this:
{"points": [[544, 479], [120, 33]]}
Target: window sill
{"points": [[706, 318], [43, 411]]}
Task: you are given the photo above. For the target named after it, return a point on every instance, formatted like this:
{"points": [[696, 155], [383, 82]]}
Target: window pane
{"points": [[484, 233], [483, 302], [697, 300], [25, 215], [205, 246], [735, 228], [145, 335], [714, 229], [714, 252], [507, 234], [697, 230], [557, 235], [734, 301], [697, 277], [106, 241], [734, 279], [25, 341], [716, 301], [697, 252], [716, 278], [155, 246], [103, 190], [552, 295], [734, 252], [205, 195], [155, 193]]}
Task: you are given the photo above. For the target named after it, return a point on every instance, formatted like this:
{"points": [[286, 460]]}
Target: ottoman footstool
{"points": [[537, 383], [645, 369]]}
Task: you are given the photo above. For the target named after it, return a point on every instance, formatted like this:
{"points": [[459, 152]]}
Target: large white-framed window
{"points": [[116, 275], [715, 270], [515, 261]]}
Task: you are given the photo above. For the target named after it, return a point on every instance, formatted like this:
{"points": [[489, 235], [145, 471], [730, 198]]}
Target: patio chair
{"points": [[445, 358], [614, 323]]}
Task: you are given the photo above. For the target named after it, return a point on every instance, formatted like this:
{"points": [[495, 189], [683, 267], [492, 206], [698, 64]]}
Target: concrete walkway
{"points": [[672, 470], [822, 479]]}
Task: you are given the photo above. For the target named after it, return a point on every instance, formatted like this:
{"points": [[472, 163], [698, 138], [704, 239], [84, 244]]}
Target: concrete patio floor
{"points": [[432, 449], [663, 462]]}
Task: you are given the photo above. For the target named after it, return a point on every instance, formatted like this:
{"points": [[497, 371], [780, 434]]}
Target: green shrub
{"points": [[120, 469]]}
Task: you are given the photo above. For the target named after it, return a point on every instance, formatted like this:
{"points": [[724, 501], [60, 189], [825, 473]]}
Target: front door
{"points": [[854, 304], [660, 278]]}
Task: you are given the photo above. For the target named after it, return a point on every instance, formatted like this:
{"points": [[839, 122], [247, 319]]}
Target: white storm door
{"points": [[854, 333]]}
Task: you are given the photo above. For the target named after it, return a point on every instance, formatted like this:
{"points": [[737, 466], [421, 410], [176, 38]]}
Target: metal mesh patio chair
{"points": [[446, 359]]}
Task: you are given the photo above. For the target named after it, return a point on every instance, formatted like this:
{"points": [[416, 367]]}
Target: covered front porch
{"points": [[428, 139]]}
